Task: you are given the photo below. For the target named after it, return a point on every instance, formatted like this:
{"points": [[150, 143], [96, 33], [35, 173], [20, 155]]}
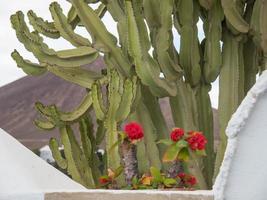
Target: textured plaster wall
{"points": [[248, 173], [244, 170]]}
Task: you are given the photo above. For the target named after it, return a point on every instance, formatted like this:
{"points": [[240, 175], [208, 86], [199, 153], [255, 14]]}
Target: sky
{"points": [[8, 41]]}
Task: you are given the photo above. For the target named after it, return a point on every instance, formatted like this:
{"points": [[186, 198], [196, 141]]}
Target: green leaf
{"points": [[184, 155], [171, 153], [169, 182], [167, 142], [157, 178], [182, 144], [118, 171], [201, 152], [122, 135], [135, 180]]}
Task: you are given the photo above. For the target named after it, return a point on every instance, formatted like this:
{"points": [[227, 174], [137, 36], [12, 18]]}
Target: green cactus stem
{"points": [[231, 87]]}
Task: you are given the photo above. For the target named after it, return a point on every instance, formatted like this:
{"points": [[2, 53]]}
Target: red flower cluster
{"points": [[134, 131], [104, 180], [196, 140], [187, 179], [177, 134]]}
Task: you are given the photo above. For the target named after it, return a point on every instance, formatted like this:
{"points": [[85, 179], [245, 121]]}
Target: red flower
{"points": [[104, 180], [196, 141], [187, 179], [134, 131], [191, 180], [181, 175], [177, 134]]}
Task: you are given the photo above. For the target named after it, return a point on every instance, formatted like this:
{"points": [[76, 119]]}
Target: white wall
{"points": [[22, 173], [243, 173]]}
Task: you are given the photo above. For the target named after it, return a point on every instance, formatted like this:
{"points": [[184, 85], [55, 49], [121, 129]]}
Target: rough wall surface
{"points": [[243, 172], [132, 195]]}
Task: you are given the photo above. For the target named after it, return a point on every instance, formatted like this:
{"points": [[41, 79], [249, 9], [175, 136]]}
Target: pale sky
{"points": [[8, 41]]}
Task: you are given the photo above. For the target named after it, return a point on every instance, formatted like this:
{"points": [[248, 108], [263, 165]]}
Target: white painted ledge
{"points": [[132, 195]]}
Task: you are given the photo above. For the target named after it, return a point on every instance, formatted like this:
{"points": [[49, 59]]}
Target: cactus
{"points": [[143, 65], [121, 95], [81, 161]]}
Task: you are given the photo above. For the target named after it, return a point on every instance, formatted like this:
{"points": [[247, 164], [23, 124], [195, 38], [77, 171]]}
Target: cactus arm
{"points": [[73, 18], [231, 88], [72, 168], [97, 99], [27, 66], [65, 29], [89, 146], [34, 43], [188, 16], [77, 52], [233, 16], [150, 135], [43, 110], [51, 113], [79, 76], [205, 118], [114, 99], [141, 26], [100, 133], [142, 156], [126, 100], [118, 15], [146, 68], [44, 125], [251, 53], [164, 42], [68, 117], [251, 57], [207, 4], [153, 106], [258, 25], [183, 103], [101, 10], [61, 162], [46, 28], [82, 77], [80, 160], [151, 13], [213, 32], [101, 36], [263, 28], [79, 111]]}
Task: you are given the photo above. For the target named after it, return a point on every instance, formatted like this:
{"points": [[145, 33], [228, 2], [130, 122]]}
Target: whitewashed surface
{"points": [[23, 174], [243, 173]]}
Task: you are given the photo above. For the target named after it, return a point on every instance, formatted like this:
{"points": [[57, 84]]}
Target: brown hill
{"points": [[17, 100]]}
